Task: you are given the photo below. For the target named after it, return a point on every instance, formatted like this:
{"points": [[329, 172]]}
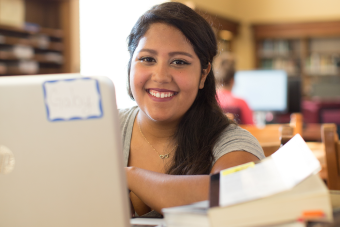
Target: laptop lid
{"points": [[60, 153]]}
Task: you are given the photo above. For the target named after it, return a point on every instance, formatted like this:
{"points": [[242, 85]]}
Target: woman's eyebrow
{"points": [[149, 51], [180, 53]]}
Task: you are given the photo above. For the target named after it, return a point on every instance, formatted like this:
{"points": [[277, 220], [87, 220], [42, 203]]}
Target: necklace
{"points": [[162, 156]]}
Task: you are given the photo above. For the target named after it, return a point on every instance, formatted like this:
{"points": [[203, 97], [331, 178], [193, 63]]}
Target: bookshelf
{"points": [[309, 50], [225, 29], [42, 45]]}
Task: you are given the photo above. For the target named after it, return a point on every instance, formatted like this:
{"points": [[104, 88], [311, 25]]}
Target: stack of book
{"points": [[282, 190]]}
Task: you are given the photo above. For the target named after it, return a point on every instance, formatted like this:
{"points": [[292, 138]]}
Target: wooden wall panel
{"points": [[69, 19], [44, 13], [297, 30]]}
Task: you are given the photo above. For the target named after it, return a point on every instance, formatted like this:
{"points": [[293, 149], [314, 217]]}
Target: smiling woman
{"points": [[177, 135], [165, 64]]}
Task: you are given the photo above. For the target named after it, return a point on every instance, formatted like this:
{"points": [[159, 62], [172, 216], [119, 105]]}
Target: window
{"points": [[104, 27]]}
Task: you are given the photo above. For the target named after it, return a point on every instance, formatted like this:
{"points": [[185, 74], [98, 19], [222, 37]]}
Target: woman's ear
{"points": [[204, 76]]}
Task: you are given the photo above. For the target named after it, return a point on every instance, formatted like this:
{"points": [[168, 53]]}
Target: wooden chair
{"points": [[296, 121], [330, 140], [271, 137]]}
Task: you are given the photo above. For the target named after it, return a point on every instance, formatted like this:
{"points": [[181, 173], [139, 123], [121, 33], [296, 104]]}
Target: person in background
{"points": [[177, 135], [224, 70]]}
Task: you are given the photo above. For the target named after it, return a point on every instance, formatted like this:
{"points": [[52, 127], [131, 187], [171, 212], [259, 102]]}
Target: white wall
{"points": [[104, 27]]}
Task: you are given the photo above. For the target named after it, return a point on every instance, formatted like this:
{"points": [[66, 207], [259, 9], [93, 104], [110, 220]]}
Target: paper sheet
{"points": [[147, 221]]}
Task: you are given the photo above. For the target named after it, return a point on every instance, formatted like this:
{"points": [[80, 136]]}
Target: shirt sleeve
{"points": [[234, 138], [126, 118]]}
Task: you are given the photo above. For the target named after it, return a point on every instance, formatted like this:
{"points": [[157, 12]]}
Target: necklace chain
{"points": [[160, 155]]}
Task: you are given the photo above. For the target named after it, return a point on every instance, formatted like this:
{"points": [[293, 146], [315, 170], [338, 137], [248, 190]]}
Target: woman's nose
{"points": [[161, 74]]}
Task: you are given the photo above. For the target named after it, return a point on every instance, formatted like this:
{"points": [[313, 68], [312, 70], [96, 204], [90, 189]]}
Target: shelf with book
{"points": [[309, 50], [40, 41], [43, 44], [280, 54], [323, 58]]}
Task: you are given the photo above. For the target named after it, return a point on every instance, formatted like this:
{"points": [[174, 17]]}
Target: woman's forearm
{"points": [[159, 190]]}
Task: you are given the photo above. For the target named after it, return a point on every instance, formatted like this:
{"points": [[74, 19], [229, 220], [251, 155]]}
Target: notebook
{"points": [[60, 153]]}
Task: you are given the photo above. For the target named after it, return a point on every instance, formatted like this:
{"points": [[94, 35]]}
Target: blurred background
{"points": [[300, 37]]}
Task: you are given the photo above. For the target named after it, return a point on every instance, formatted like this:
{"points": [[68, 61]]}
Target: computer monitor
{"points": [[263, 90]]}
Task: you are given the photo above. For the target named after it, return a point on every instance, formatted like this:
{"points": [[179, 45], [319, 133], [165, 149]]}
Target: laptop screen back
{"points": [[60, 153]]}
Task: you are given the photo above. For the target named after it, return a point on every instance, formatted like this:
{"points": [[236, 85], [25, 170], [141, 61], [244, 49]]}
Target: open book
{"points": [[276, 191]]}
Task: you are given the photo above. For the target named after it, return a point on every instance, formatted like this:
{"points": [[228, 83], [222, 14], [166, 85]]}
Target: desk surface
{"points": [[318, 150]]}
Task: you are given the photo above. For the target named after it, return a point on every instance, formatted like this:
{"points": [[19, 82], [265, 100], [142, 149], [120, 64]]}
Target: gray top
{"points": [[234, 138]]}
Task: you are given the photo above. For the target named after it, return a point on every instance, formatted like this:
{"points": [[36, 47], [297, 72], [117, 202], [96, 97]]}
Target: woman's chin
{"points": [[163, 116]]}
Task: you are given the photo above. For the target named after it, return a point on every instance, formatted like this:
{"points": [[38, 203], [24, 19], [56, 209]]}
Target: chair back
{"points": [[330, 139], [271, 137], [296, 121], [286, 133], [267, 134]]}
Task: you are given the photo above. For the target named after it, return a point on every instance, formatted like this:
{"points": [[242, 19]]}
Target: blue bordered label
{"points": [[72, 99]]}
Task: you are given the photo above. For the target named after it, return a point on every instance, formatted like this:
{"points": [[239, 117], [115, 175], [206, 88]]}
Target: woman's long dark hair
{"points": [[204, 122]]}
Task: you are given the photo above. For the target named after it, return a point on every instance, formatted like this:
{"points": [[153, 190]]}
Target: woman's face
{"points": [[165, 73]]}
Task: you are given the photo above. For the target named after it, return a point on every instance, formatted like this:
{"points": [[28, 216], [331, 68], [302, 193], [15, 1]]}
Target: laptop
{"points": [[61, 161]]}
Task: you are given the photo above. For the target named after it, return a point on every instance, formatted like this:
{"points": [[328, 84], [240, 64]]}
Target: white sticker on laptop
{"points": [[72, 99]]}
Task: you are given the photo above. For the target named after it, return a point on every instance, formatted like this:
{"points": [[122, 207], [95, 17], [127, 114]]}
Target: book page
{"points": [[287, 167], [255, 182], [295, 161]]}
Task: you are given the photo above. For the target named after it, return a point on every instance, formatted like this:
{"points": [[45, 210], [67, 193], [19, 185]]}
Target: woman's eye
{"points": [[147, 59], [180, 62]]}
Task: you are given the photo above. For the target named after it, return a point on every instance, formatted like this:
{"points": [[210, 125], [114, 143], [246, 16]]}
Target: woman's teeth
{"points": [[161, 94]]}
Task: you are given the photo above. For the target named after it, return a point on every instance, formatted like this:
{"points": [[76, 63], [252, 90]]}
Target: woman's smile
{"points": [[161, 95]]}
